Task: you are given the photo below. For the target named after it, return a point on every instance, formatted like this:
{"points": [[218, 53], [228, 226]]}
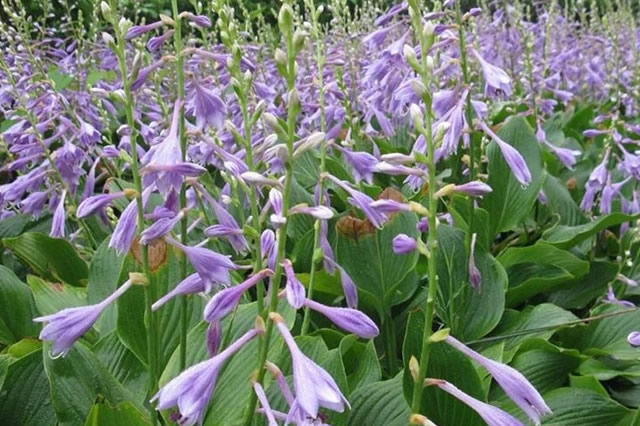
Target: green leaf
{"points": [[379, 403], [360, 362], [560, 203], [125, 413], [14, 225], [579, 292], [581, 407], [53, 297], [538, 268], [60, 80], [106, 271], [565, 237], [509, 203], [445, 363], [25, 396], [383, 278], [51, 258], [76, 381], [17, 309], [517, 327], [470, 314]]}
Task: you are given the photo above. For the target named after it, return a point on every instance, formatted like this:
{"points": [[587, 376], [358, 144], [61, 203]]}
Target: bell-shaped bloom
{"points": [[190, 285], [65, 327], [269, 247], [59, 218], [138, 30], [514, 384], [318, 212], [351, 320], [226, 300], [362, 164], [227, 226], [211, 266], [208, 108], [634, 339], [200, 20], [156, 42], [294, 290], [390, 206], [610, 191], [264, 402], [493, 416], [361, 201], [403, 244], [160, 228], [496, 80], [513, 158], [474, 188], [475, 277], [125, 230], [144, 73], [348, 286], [193, 388], [314, 387], [275, 200], [95, 203]]}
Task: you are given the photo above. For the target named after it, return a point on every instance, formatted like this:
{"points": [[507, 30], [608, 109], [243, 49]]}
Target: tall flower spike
{"points": [[294, 289], [513, 158], [314, 387], [490, 414], [351, 320], [226, 300], [68, 325], [514, 384], [193, 388]]}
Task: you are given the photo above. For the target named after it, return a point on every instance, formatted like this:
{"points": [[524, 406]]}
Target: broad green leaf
{"points": [[532, 321], [51, 258], [76, 381], [24, 398], [53, 297], [581, 407], [17, 309], [510, 203], [104, 414], [360, 362], [565, 237], [383, 278], [60, 80], [13, 226], [538, 268], [106, 271], [123, 365], [560, 204], [379, 403], [445, 363], [578, 293], [470, 314]]}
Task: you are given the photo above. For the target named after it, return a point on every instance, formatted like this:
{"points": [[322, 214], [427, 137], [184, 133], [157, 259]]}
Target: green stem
{"points": [[425, 44], [149, 288], [177, 41]]}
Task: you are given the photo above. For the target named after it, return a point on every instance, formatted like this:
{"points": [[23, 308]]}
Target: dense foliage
{"points": [[361, 215]]}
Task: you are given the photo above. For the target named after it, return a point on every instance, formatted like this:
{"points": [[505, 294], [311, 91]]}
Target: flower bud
{"points": [[418, 87], [124, 24], [410, 57], [285, 19], [414, 368], [298, 41], [106, 10], [167, 20], [108, 39], [416, 116]]}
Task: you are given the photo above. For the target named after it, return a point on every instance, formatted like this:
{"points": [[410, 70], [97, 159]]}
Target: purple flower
{"points": [[362, 164], [351, 320], [475, 277], [268, 247], [138, 30], [209, 109], [275, 200], [226, 300], [156, 42], [497, 82], [125, 230], [59, 218], [403, 244], [390, 206], [493, 416], [200, 20], [513, 158], [474, 188], [314, 387], [68, 325], [609, 192], [294, 289], [143, 74], [318, 212], [192, 389], [211, 266], [361, 201], [634, 338], [227, 225], [592, 133], [192, 284], [514, 384], [160, 228], [626, 280], [611, 298], [348, 286], [266, 408]]}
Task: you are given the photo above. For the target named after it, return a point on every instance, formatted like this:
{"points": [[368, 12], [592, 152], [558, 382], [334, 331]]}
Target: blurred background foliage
{"points": [[150, 9]]}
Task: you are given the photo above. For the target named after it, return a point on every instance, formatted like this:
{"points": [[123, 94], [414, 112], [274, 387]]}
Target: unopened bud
{"points": [[281, 57], [138, 278], [418, 87], [124, 24], [414, 368], [108, 39], [419, 419], [410, 57], [167, 20], [298, 41], [106, 10], [259, 324], [445, 191], [439, 335], [275, 317], [416, 116], [285, 19]]}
